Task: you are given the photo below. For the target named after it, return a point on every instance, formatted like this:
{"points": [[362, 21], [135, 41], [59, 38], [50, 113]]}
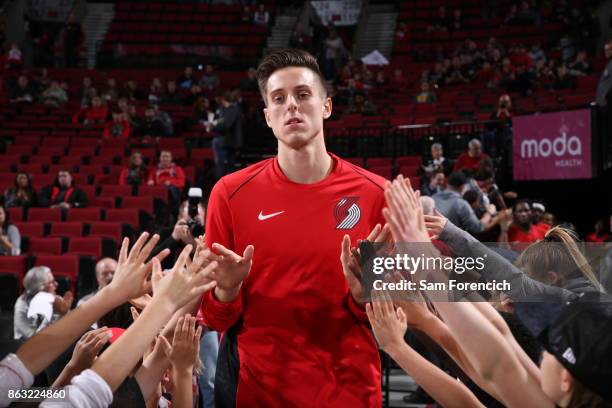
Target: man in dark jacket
{"points": [[73, 37], [228, 135], [63, 193]]}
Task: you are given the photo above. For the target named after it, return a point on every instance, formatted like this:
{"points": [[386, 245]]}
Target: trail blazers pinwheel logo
{"points": [[347, 213]]}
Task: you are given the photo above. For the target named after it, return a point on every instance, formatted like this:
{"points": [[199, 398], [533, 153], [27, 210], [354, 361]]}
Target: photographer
{"points": [[497, 131], [189, 225]]}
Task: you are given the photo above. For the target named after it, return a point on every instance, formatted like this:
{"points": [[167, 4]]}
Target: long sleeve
{"points": [[79, 199], [23, 327], [15, 238], [217, 315], [468, 218], [497, 267], [87, 390], [179, 180], [13, 375]]}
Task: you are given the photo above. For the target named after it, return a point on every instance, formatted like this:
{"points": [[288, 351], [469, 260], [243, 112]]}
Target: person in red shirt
{"points": [[91, 115], [296, 330], [168, 174], [471, 159], [537, 213], [600, 234], [118, 128], [522, 230], [135, 173]]}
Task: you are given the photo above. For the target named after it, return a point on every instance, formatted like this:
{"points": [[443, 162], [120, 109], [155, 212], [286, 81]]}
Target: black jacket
{"points": [[50, 196], [230, 126]]}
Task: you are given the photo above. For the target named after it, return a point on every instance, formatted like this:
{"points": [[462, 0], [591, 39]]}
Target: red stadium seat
{"points": [[83, 214], [61, 265], [91, 246], [102, 202], [15, 213], [383, 171], [144, 203], [409, 171], [409, 160], [107, 230], [116, 191], [31, 229], [44, 214], [379, 162], [47, 246], [14, 265], [66, 229], [124, 215], [160, 192]]}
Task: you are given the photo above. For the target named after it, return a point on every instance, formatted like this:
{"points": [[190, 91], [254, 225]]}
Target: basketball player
{"points": [[296, 329]]}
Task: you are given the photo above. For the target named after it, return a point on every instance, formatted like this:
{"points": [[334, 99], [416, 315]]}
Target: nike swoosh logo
{"points": [[263, 217]]}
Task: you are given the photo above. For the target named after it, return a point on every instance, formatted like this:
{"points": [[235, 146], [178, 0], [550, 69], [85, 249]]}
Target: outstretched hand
{"points": [[231, 271], [405, 212], [130, 278], [350, 259], [435, 224], [388, 324]]}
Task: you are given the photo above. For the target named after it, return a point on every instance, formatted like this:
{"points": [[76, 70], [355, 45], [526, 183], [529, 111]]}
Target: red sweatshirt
{"points": [[303, 341], [174, 174], [464, 161]]}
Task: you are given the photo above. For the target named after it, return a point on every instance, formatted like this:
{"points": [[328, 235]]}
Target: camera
{"points": [[194, 198]]}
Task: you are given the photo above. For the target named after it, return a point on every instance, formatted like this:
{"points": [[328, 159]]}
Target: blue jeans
{"points": [[225, 157], [209, 349]]}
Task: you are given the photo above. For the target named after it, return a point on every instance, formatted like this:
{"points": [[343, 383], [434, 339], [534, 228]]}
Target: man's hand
{"points": [[62, 304], [182, 233], [87, 349], [411, 303], [130, 278], [231, 272], [185, 346], [388, 324], [350, 259]]}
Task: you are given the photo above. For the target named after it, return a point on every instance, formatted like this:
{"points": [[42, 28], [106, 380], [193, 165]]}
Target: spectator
{"points": [[132, 117], [580, 66], [227, 130], [195, 94], [438, 162], [333, 51], [261, 16], [42, 81], [210, 80], [536, 53], [246, 15], [86, 91], [441, 22], [135, 173], [54, 95], [498, 132], [132, 92], [521, 229], [22, 194], [63, 193], [23, 93], [361, 105], [601, 232], [105, 269], [165, 119], [452, 205], [471, 159], [151, 127], [73, 37], [14, 61], [118, 128], [171, 96], [604, 86], [39, 282], [94, 114], [111, 93], [155, 91], [380, 81], [426, 95], [537, 214], [457, 22], [564, 79], [299, 38], [249, 84], [186, 80], [10, 239], [203, 111], [399, 81], [401, 32], [549, 219], [435, 183], [168, 174]]}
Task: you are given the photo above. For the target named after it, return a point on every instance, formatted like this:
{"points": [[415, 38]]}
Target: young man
{"points": [[296, 334]]}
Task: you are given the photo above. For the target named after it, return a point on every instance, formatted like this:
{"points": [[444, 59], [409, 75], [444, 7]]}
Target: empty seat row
{"points": [[68, 229], [129, 216]]}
